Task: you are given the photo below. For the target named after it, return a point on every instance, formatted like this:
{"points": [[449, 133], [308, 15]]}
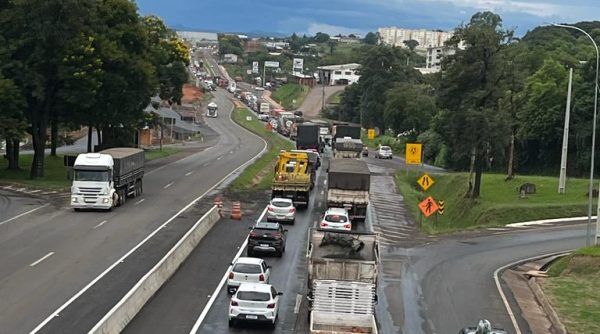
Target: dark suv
{"points": [[266, 237]]}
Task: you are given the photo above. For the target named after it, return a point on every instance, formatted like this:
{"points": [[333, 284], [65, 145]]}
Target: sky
{"points": [[360, 16]]}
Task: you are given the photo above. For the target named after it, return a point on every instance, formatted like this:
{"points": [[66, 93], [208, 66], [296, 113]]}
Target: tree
{"points": [[321, 37], [371, 38], [12, 120], [230, 44], [409, 108], [39, 32], [411, 44], [472, 124]]}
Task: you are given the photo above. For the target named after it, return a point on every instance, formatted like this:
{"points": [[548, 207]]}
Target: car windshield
{"points": [[91, 175], [385, 148], [281, 204], [254, 296], [336, 218], [247, 268]]}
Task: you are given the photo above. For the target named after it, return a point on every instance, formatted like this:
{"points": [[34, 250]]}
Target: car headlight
{"points": [[105, 200], [74, 199]]}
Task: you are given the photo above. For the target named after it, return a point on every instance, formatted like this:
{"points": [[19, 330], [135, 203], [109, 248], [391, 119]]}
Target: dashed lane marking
{"points": [[100, 224], [41, 259], [168, 185]]}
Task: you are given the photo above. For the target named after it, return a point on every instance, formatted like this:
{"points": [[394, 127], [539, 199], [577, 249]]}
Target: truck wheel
{"points": [[123, 197]]}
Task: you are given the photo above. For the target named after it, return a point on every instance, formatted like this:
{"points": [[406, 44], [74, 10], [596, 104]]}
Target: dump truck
{"points": [[308, 137], [314, 162], [292, 178], [348, 186], [342, 281], [106, 179], [340, 307], [348, 148], [346, 130]]}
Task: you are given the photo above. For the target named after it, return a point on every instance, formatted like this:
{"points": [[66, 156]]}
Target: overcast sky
{"points": [[351, 16]]}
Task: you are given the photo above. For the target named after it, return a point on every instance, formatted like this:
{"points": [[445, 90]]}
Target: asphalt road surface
{"points": [[51, 254], [311, 106]]}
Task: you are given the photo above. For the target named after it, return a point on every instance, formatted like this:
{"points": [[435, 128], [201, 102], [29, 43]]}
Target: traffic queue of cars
{"points": [[253, 298]]}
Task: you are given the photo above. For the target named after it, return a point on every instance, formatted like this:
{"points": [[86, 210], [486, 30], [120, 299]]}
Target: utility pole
{"points": [[562, 180]]}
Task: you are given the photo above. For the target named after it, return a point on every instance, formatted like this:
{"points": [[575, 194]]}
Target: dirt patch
{"points": [[191, 94]]}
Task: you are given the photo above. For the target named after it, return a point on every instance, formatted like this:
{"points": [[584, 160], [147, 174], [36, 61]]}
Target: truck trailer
{"points": [[106, 179], [348, 148], [212, 110], [348, 186], [307, 137]]}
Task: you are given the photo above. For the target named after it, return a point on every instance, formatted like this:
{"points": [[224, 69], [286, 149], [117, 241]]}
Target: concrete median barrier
{"points": [[126, 309]]}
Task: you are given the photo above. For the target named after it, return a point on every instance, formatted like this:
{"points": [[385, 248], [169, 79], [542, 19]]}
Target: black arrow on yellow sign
{"points": [[442, 205]]}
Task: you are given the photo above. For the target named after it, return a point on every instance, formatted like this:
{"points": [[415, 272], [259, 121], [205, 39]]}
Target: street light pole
{"points": [[591, 186], [562, 179]]}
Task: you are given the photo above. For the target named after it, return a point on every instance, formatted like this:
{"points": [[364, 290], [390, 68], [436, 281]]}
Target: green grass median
{"points": [[574, 290], [259, 175], [288, 93], [499, 204], [55, 173], [157, 153]]}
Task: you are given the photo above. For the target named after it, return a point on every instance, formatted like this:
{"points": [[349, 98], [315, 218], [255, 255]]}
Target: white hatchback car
{"points": [[254, 302], [383, 152], [281, 210], [336, 219], [247, 269]]}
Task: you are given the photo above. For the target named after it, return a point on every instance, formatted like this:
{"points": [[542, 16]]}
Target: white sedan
{"points": [[247, 269], [254, 303], [281, 210], [336, 219]]}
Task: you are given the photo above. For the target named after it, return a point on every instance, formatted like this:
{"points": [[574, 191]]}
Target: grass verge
{"points": [[55, 173], [288, 93], [157, 153], [258, 176], [499, 203], [574, 290]]}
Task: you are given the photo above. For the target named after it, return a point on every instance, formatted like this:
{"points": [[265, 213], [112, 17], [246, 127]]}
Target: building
{"points": [[304, 79], [436, 55], [426, 38], [252, 45], [230, 58], [345, 74]]}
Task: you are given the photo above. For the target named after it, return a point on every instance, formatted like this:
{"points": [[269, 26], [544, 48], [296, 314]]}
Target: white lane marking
{"points": [[100, 224], [322, 192], [140, 201], [298, 303], [549, 221], [41, 259], [23, 214], [501, 291], [168, 185], [188, 173], [325, 182], [222, 283], [34, 191], [231, 152], [219, 158], [122, 259]]}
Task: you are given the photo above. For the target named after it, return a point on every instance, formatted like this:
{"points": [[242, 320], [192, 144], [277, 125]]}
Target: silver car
{"points": [[281, 210]]}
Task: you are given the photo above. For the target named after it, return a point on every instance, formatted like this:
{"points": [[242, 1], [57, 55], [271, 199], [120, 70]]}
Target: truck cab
{"points": [[93, 182], [212, 110]]}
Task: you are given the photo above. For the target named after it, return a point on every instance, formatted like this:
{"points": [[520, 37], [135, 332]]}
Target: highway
{"points": [[56, 261]]}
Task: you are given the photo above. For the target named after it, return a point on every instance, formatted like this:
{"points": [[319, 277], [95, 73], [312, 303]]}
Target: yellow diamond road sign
{"points": [[371, 134], [425, 181], [413, 154]]}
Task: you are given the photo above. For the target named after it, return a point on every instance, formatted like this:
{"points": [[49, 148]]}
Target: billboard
{"points": [[298, 65], [271, 64], [254, 67]]}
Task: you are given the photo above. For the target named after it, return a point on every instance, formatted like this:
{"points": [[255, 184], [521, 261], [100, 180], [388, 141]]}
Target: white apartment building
{"points": [[436, 55], [426, 38]]}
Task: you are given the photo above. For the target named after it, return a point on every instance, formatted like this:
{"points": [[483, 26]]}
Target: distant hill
{"points": [[252, 34]]}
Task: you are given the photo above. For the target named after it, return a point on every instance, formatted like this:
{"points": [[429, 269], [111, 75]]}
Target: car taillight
{"points": [[324, 225], [253, 235], [271, 305], [234, 303], [270, 209], [261, 277], [346, 225], [276, 235], [231, 275], [292, 210]]}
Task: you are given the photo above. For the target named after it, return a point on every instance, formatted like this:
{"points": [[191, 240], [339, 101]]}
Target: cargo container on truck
{"points": [[348, 148], [348, 183], [307, 137], [346, 130], [106, 179]]}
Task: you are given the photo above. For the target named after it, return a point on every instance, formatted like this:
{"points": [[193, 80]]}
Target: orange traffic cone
{"points": [[236, 211], [219, 204]]}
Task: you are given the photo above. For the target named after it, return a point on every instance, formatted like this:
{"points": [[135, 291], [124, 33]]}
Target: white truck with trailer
{"points": [[106, 179]]}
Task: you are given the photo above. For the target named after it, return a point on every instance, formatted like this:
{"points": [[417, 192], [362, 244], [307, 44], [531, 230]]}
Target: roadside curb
{"points": [[546, 306]]}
